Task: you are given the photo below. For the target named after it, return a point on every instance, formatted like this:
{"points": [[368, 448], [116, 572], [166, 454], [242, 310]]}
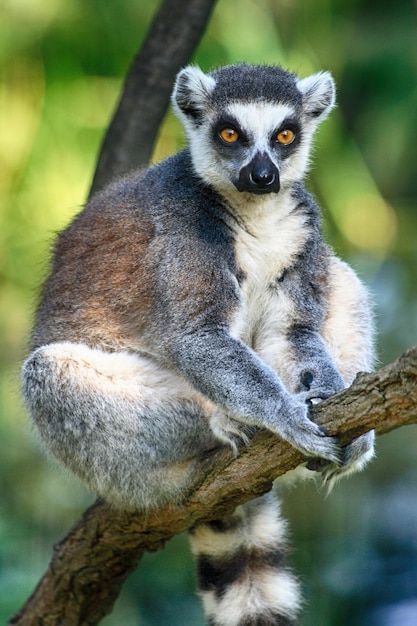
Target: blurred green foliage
{"points": [[62, 66]]}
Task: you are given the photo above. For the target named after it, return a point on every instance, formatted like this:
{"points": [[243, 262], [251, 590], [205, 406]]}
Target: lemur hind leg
{"points": [[125, 426], [242, 571], [349, 335]]}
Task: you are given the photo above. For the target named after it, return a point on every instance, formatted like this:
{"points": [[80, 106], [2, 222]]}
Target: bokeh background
{"points": [[62, 66]]}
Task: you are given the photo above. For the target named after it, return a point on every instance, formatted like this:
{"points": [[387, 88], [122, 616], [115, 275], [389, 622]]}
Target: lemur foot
{"points": [[230, 431], [354, 458]]}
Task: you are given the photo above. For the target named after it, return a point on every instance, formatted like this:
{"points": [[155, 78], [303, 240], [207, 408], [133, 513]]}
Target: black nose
{"points": [[262, 178], [259, 176]]}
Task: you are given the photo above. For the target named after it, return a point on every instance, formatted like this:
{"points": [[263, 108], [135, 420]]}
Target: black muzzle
{"points": [[259, 176]]}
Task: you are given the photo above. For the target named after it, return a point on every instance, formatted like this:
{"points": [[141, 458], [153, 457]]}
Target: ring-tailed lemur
{"points": [[192, 302]]}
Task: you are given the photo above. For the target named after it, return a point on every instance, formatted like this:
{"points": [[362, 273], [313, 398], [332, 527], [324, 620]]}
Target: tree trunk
{"points": [[172, 38], [89, 566]]}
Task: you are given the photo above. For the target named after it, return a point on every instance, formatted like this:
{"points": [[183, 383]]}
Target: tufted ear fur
{"points": [[319, 94], [191, 92]]}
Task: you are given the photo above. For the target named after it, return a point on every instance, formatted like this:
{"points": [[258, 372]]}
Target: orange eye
{"points": [[285, 137], [229, 135]]}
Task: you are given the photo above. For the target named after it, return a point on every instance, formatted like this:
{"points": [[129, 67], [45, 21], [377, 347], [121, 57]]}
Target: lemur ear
{"points": [[319, 94], [191, 91]]}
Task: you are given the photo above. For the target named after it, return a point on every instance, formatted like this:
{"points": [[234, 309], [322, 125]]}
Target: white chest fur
{"points": [[269, 246], [269, 243]]}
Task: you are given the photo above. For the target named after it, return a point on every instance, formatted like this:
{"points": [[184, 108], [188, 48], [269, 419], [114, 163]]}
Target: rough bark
{"points": [[89, 566], [172, 38]]}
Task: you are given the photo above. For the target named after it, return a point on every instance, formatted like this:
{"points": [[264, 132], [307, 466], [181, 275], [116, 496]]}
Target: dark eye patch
{"points": [[229, 122], [288, 124]]}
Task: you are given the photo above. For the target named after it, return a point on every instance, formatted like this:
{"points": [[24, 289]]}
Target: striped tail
{"points": [[242, 572]]}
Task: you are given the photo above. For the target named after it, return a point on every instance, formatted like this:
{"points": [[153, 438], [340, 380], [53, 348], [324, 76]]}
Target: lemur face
{"points": [[252, 142], [250, 127]]}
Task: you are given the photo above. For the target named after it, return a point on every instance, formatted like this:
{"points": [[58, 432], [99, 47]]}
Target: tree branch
{"points": [[177, 28], [89, 566]]}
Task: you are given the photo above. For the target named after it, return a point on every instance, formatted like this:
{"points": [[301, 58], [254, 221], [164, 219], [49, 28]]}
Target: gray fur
{"points": [[196, 301]]}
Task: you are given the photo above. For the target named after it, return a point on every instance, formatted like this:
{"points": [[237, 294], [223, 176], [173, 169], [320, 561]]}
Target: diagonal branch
{"points": [[174, 34], [89, 566]]}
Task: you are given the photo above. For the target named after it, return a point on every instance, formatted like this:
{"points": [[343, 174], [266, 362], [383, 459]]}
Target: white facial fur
{"points": [[261, 121], [258, 119]]}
